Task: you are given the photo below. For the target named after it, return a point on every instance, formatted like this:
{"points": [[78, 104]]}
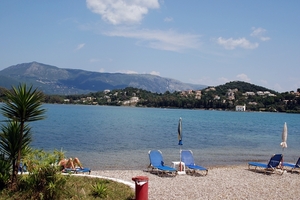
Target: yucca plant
{"points": [[22, 105], [10, 141], [99, 190]]}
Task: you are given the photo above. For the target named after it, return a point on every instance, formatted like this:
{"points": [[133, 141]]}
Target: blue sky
{"points": [[200, 42]]}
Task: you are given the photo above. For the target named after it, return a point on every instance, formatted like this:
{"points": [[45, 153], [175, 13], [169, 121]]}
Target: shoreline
{"points": [[227, 182]]}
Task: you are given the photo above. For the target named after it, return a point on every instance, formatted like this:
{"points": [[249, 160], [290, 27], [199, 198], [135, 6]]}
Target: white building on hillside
{"points": [[240, 108]]}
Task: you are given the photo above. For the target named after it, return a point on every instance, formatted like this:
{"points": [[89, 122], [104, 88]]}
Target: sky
{"points": [[198, 42]]}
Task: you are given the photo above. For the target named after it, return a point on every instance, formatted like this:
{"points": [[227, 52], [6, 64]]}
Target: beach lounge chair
{"points": [[22, 169], [77, 170], [293, 166], [273, 164], [157, 163], [188, 159]]}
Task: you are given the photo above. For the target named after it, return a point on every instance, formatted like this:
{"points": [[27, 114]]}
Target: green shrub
{"points": [[5, 168], [99, 190], [77, 187], [44, 180]]}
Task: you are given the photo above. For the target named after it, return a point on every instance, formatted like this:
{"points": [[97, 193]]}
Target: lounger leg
{"points": [[206, 173]]}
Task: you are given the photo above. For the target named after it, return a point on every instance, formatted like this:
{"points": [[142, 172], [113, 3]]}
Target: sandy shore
{"points": [[236, 182]]}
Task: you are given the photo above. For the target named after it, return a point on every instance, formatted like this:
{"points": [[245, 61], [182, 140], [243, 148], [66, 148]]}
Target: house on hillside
{"points": [[106, 91], [198, 94], [230, 94], [132, 101], [249, 94], [240, 108]]}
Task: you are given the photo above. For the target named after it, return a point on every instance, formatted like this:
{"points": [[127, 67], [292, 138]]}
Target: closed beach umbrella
{"points": [[180, 131], [284, 136], [180, 140]]}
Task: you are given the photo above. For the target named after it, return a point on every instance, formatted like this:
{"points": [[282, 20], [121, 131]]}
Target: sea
{"points": [[109, 137]]}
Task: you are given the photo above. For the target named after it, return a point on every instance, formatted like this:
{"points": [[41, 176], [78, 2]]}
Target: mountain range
{"points": [[53, 80]]}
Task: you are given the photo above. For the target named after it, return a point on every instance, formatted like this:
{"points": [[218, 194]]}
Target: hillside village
{"points": [[233, 96], [239, 101]]}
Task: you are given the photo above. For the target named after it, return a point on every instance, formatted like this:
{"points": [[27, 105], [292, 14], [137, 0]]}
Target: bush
{"points": [[99, 189], [5, 169], [44, 180], [45, 183]]}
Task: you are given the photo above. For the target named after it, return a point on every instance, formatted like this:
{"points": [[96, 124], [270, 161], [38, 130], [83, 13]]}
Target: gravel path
{"points": [[236, 182]]}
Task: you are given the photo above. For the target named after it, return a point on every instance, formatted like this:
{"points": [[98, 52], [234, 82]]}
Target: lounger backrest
{"points": [[298, 162], [156, 158], [187, 157], [275, 160]]}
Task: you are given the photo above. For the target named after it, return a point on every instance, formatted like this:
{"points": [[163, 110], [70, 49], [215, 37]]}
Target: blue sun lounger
{"points": [[22, 169], [77, 170], [272, 165], [157, 163], [188, 159], [294, 166]]}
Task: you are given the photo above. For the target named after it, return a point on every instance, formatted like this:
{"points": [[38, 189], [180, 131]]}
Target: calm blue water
{"points": [[105, 137]]}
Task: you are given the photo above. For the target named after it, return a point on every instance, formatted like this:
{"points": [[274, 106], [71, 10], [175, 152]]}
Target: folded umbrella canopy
{"points": [[283, 144], [180, 140], [180, 132]]}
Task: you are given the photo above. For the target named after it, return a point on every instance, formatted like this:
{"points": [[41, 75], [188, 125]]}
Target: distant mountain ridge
{"points": [[53, 80]]}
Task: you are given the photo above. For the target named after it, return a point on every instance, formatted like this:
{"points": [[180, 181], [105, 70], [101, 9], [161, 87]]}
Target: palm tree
{"points": [[22, 104], [9, 141]]}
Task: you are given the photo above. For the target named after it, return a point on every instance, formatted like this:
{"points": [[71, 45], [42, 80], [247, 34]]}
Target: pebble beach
{"points": [[230, 182]]}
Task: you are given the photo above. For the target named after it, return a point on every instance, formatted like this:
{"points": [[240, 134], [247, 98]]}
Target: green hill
{"points": [[242, 87], [53, 80]]}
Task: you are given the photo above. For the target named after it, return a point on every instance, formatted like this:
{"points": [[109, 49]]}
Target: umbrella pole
{"points": [[282, 159], [180, 167]]}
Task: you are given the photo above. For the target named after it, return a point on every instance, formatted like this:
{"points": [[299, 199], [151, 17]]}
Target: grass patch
{"points": [[84, 187]]}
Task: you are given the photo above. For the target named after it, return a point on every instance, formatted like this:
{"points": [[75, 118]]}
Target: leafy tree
{"points": [[22, 105]]}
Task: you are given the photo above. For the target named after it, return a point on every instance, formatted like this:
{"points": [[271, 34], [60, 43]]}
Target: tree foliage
{"points": [[21, 105], [211, 98]]}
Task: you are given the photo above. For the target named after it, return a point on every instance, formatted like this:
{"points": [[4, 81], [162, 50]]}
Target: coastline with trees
{"points": [[223, 97]]}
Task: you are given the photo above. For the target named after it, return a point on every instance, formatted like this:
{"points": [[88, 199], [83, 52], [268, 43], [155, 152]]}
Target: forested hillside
{"points": [[223, 97]]}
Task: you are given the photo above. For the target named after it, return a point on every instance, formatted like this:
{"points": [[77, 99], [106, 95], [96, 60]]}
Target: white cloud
{"points": [[122, 11], [258, 33], [155, 73], [80, 46], [223, 80], [157, 39], [205, 80], [101, 70], [277, 87], [232, 44], [127, 72], [211, 82], [243, 77], [264, 82], [168, 19]]}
